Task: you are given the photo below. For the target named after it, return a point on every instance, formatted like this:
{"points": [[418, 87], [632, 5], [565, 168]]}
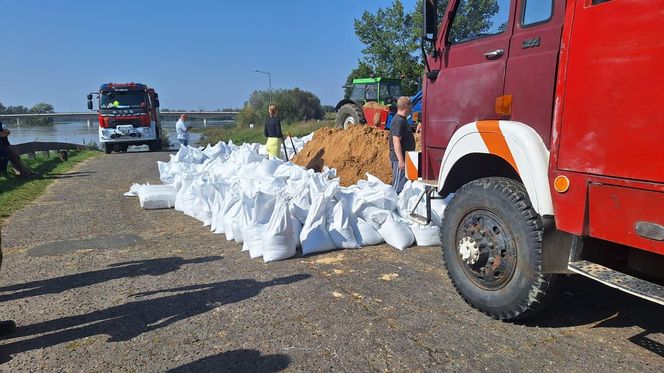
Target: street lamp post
{"points": [[269, 78]]}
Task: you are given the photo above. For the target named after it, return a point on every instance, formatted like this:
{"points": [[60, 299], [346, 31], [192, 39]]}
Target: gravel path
{"points": [[136, 291]]}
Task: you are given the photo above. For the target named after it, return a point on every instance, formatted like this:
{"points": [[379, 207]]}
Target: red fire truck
{"points": [[128, 115], [540, 121]]}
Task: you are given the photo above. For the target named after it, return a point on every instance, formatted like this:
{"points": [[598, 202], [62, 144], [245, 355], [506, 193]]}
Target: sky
{"points": [[197, 54]]}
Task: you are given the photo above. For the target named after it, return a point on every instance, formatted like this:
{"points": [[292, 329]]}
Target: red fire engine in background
{"points": [[128, 115], [540, 117]]}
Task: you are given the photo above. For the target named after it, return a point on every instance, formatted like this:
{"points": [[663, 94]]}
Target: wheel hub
{"points": [[349, 120], [487, 249], [469, 250]]}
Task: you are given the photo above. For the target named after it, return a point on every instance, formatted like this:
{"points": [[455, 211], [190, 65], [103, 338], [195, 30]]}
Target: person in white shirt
{"points": [[182, 130]]}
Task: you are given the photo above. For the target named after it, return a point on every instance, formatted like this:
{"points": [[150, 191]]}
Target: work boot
{"points": [[7, 327]]}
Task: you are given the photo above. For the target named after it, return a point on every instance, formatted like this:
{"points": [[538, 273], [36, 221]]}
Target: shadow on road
{"points": [[149, 267], [239, 361], [127, 321], [581, 301]]}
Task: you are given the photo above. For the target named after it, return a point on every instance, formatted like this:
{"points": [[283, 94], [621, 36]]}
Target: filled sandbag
{"points": [[396, 232], [278, 241], [153, 197], [340, 227], [425, 235], [366, 234], [315, 237]]}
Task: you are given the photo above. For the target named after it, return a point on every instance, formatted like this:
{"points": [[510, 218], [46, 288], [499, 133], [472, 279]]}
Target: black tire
{"points": [[108, 148], [492, 248], [153, 145], [349, 114]]}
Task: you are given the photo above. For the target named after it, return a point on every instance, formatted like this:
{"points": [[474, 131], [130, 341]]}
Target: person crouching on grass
{"points": [[273, 132], [401, 140]]}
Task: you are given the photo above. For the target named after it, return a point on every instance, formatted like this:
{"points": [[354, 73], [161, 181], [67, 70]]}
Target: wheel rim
{"points": [[486, 249], [349, 121]]}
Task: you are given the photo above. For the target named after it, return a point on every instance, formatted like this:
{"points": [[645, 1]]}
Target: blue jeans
{"points": [[398, 177], [183, 142]]}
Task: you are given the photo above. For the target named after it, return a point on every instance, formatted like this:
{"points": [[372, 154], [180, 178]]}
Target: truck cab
{"points": [[128, 115], [540, 122]]}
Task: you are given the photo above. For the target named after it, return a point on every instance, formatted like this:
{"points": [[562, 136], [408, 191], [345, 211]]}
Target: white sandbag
{"points": [[365, 234], [340, 228], [253, 240], [396, 232], [278, 241], [315, 237], [266, 168], [156, 197], [373, 192], [133, 190], [425, 235]]}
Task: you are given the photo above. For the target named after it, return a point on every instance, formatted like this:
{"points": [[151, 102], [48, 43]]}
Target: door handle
{"points": [[494, 54]]}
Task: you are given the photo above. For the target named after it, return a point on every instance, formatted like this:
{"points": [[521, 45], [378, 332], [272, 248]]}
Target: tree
{"points": [[392, 40], [391, 45], [294, 105], [42, 107]]}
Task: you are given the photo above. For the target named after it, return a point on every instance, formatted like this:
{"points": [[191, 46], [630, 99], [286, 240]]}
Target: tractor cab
{"points": [[371, 102]]}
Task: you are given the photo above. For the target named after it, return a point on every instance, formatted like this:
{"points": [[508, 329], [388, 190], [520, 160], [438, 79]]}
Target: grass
{"points": [[16, 193], [241, 135]]}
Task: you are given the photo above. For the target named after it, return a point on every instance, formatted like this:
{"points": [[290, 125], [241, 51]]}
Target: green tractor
{"points": [[370, 102]]}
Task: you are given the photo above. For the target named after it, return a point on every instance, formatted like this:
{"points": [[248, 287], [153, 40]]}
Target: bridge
{"points": [[92, 115]]}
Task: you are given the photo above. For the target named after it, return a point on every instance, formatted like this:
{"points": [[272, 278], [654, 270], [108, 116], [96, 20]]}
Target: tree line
{"points": [[40, 108], [294, 105]]}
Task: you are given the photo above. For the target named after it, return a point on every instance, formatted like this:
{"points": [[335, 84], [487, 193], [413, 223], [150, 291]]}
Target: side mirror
{"points": [[156, 103], [89, 97], [430, 29], [156, 95], [89, 102]]}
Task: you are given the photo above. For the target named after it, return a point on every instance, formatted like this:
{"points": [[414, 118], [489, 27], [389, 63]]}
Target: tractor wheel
{"points": [[347, 115], [492, 248]]}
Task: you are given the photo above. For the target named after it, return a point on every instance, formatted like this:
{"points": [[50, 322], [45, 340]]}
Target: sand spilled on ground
{"points": [[353, 152]]}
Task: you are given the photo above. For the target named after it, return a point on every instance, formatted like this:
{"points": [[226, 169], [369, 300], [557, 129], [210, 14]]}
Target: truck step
{"points": [[618, 280]]}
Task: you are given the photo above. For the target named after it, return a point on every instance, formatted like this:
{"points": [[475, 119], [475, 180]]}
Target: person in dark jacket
{"points": [[7, 154], [273, 132]]}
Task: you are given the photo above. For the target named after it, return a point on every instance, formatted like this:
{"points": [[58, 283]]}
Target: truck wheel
{"points": [[347, 115], [153, 145], [108, 148], [492, 248]]}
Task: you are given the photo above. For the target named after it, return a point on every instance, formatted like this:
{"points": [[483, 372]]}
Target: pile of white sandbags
{"points": [[273, 207]]}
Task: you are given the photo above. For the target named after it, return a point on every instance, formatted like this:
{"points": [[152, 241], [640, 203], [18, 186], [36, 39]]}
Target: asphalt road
{"points": [[98, 285]]}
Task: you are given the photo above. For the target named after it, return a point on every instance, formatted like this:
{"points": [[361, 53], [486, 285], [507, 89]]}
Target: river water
{"points": [[78, 132]]}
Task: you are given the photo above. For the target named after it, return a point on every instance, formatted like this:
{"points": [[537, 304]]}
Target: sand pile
{"points": [[353, 152]]}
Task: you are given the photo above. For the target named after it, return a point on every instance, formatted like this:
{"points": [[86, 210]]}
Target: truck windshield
{"points": [[123, 100]]}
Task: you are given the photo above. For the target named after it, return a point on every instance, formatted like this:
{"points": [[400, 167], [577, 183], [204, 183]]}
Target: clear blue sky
{"points": [[197, 54]]}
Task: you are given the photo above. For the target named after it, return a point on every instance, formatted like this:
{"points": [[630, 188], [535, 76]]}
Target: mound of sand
{"points": [[353, 152]]}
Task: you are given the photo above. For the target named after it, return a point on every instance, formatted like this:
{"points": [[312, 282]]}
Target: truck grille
{"points": [[123, 122]]}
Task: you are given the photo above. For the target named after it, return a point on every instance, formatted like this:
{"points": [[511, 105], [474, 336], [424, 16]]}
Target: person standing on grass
{"points": [[182, 130], [401, 140], [273, 132]]}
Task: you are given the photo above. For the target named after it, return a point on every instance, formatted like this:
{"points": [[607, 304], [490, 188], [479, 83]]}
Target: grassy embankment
{"points": [[241, 135], [15, 192]]}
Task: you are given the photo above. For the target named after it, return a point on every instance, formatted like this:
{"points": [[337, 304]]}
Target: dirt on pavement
{"points": [[97, 284]]}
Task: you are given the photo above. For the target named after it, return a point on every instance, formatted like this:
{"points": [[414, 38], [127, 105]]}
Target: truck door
{"points": [[472, 64], [533, 62]]}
